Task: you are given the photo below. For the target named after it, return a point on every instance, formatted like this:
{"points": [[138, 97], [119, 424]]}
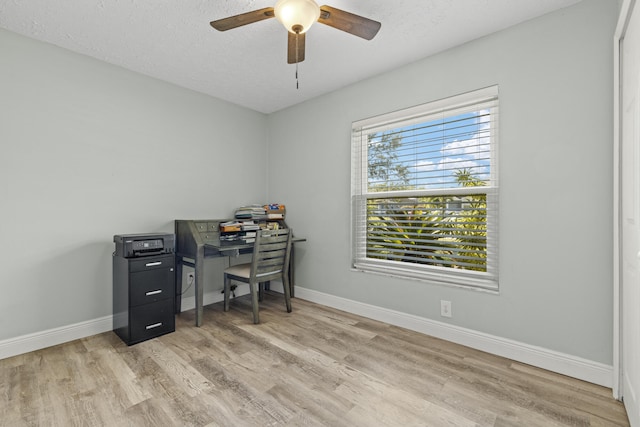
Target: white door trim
{"points": [[621, 28]]}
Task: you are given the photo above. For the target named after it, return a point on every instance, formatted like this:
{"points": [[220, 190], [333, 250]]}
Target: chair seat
{"points": [[240, 270], [244, 271]]}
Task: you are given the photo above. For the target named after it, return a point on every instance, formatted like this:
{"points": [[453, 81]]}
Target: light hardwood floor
{"points": [[314, 367]]}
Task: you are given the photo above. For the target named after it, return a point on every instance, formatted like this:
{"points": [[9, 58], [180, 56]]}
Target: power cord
{"points": [[190, 279], [232, 288]]}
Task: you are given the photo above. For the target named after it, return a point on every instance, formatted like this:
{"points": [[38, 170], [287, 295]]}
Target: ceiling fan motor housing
{"points": [[297, 16]]}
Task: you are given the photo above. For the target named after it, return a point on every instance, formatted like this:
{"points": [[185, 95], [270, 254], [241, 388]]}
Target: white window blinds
{"points": [[425, 191]]}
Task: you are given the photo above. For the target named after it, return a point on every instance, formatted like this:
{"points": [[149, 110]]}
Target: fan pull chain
{"points": [[297, 82]]}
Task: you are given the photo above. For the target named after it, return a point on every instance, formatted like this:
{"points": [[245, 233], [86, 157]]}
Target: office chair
{"points": [[270, 261]]}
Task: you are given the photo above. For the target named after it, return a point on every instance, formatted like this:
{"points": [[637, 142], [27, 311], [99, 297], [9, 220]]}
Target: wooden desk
{"points": [[197, 240]]}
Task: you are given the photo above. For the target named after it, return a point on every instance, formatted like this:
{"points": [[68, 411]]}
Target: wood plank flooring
{"points": [[314, 367]]}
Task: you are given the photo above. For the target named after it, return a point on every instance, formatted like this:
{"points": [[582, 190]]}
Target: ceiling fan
{"points": [[297, 16]]}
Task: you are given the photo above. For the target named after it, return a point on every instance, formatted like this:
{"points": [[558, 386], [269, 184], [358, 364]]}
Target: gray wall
{"points": [[89, 150], [555, 155]]}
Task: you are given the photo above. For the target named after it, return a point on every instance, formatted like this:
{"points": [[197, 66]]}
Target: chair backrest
{"points": [[271, 254]]}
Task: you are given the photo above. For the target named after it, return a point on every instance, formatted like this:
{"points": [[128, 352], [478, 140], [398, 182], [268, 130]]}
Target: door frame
{"points": [[621, 28]]}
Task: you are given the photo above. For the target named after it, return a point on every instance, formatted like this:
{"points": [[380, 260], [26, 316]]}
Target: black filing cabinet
{"points": [[143, 297]]}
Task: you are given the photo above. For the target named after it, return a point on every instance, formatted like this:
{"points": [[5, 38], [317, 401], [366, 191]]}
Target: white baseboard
{"points": [[554, 361], [566, 364], [39, 340]]}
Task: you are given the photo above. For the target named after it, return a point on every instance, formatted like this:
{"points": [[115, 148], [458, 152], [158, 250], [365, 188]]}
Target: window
{"points": [[425, 191]]}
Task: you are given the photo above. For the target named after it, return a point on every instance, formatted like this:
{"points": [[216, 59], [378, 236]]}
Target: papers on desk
{"points": [[244, 231], [249, 219], [230, 227], [249, 226], [249, 231], [229, 237]]}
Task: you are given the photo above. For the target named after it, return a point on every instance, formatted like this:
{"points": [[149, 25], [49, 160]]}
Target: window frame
{"points": [[360, 194]]}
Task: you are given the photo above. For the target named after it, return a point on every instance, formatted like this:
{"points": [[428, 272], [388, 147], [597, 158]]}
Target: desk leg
{"points": [[292, 279], [199, 284]]}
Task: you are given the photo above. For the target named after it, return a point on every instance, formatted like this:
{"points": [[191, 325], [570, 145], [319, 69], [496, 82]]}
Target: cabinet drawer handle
{"points": [[155, 325], [159, 291], [153, 264]]}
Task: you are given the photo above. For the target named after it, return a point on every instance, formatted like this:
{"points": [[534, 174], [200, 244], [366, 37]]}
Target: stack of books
{"points": [[249, 231], [251, 212]]}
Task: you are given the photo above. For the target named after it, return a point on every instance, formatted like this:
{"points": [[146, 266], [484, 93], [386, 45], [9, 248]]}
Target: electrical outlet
{"points": [[190, 277], [445, 308]]}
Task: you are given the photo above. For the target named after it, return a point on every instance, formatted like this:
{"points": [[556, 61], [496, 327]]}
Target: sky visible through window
{"points": [[428, 155]]}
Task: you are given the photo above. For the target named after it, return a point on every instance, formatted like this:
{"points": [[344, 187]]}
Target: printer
{"points": [[141, 245]]}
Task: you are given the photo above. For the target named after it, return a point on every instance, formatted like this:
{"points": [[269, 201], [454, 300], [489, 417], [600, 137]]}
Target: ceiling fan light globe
{"points": [[297, 13]]}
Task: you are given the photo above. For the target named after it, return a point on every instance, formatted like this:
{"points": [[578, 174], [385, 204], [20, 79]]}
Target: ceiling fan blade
{"points": [[235, 21], [295, 40], [349, 22]]}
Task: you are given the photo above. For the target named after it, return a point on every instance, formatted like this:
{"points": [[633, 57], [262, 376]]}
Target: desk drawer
{"points": [[152, 320], [203, 227]]}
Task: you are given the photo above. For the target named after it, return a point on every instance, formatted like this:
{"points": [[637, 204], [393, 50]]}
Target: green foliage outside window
{"points": [[446, 231]]}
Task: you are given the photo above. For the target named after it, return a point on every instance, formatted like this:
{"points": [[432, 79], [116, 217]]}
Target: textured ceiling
{"points": [[173, 41]]}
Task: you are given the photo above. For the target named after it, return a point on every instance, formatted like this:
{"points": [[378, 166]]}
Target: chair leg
{"points": [[287, 292], [254, 301], [227, 290], [260, 291]]}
